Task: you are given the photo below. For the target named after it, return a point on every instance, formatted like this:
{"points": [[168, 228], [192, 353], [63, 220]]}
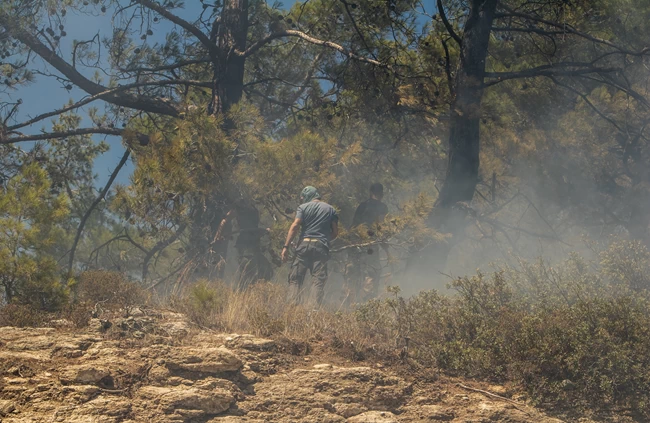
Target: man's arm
{"points": [[335, 230], [293, 230]]}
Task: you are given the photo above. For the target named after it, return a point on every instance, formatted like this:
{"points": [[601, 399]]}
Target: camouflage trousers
{"points": [[252, 267], [310, 256], [362, 275]]}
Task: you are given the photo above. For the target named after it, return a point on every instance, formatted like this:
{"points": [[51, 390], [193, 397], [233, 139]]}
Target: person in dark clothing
{"points": [[363, 271], [317, 222], [252, 265]]}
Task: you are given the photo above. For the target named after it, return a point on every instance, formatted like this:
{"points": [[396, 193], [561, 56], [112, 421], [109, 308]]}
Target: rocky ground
{"points": [[158, 368]]}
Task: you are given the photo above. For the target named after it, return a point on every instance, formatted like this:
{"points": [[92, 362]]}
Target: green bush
{"points": [[574, 335], [203, 303]]}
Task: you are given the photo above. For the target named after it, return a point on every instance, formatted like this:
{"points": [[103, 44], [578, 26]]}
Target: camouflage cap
{"points": [[309, 193]]}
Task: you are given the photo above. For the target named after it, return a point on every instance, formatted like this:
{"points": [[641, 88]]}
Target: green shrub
{"points": [[204, 301], [576, 335]]}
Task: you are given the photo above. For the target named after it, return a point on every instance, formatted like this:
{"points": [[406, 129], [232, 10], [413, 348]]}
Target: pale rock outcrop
{"points": [[111, 376]]}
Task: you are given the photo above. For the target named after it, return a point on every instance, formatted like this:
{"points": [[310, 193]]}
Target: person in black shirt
{"points": [[252, 265], [363, 270]]}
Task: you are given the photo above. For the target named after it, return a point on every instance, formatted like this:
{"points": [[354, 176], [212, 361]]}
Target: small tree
{"points": [[29, 213]]}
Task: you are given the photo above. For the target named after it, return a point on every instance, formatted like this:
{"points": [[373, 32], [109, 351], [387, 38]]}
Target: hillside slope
{"points": [[159, 368]]}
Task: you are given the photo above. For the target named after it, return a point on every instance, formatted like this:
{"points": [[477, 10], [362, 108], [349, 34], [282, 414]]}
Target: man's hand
{"points": [[285, 255]]}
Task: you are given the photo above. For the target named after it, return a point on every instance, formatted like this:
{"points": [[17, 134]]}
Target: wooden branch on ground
{"points": [[492, 395]]}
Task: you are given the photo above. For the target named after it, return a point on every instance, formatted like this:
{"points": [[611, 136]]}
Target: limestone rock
{"points": [[6, 407], [323, 366], [204, 360], [101, 409], [64, 375], [349, 410], [171, 399], [98, 325], [176, 329], [374, 417], [86, 374], [436, 413], [250, 342]]}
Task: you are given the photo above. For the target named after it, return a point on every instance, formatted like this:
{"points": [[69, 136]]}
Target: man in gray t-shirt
{"points": [[318, 225]]}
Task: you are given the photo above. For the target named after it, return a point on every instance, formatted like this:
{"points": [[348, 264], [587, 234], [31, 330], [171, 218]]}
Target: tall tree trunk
{"points": [[229, 32], [463, 160], [464, 137]]}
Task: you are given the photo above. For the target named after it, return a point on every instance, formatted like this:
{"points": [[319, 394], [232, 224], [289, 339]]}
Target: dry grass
{"points": [[262, 310]]}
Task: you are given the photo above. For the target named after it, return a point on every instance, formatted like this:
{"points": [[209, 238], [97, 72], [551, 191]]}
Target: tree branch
{"points": [[547, 70], [143, 139], [148, 104], [566, 29], [588, 102], [61, 134], [447, 24], [95, 203], [450, 79], [171, 66], [159, 246], [101, 95], [215, 51], [299, 34]]}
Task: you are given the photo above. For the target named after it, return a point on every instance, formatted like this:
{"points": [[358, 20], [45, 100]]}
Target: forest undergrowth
{"points": [[573, 335]]}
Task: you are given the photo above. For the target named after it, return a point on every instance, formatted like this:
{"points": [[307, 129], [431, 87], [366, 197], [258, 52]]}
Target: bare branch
{"points": [[447, 24], [92, 207], [160, 245], [60, 134], [154, 105], [566, 29], [299, 34], [450, 78], [142, 138], [356, 27], [101, 95], [555, 69], [171, 66], [587, 101], [215, 51]]}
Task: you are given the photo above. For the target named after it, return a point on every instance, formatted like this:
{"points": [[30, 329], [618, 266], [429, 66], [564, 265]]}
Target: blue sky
{"points": [[47, 94]]}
